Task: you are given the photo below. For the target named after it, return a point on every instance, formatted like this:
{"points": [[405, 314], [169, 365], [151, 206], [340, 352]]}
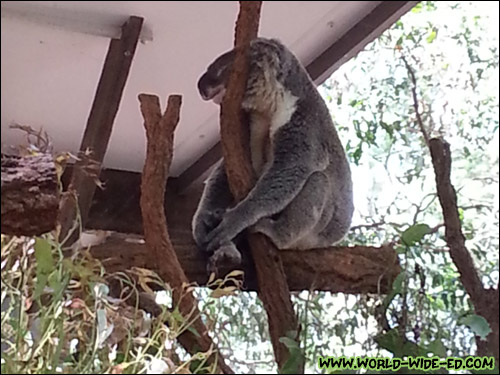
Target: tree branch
{"points": [[415, 100], [485, 301], [482, 299], [271, 279], [162, 257], [353, 269]]}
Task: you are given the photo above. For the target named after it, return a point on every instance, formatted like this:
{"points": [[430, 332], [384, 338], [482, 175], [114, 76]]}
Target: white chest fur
{"points": [[260, 142], [269, 112], [284, 108]]}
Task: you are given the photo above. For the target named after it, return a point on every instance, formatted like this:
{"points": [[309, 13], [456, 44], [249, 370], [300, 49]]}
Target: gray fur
{"points": [[303, 196]]}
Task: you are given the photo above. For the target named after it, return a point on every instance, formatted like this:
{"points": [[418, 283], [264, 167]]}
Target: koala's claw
{"points": [[225, 256]]}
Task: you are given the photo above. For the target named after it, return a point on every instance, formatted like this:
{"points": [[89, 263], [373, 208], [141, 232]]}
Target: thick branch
{"points": [[30, 195], [354, 270], [271, 279], [234, 132], [441, 160], [161, 254], [485, 301]]}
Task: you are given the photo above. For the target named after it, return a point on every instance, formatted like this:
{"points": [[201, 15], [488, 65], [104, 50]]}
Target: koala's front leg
{"points": [[231, 225], [215, 201], [274, 191], [205, 222]]}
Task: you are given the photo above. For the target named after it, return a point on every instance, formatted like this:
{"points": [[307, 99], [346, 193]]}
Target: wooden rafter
{"points": [[99, 125]]}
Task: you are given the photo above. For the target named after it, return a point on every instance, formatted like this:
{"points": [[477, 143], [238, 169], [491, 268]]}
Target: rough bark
{"points": [[485, 301], [161, 254], [30, 195], [272, 284], [354, 270]]}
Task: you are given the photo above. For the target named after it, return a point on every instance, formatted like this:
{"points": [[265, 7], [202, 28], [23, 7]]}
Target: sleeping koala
{"points": [[303, 195]]}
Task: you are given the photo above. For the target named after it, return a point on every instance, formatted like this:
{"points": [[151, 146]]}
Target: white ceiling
{"points": [[52, 53]]}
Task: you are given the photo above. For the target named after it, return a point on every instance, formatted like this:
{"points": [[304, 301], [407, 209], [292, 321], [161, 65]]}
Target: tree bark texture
{"points": [[353, 270], [161, 255], [30, 195], [485, 301], [271, 279]]}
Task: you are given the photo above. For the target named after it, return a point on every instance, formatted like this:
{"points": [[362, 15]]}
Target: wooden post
{"points": [[99, 125]]}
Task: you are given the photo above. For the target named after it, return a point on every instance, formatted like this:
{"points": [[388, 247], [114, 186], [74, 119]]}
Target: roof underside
{"points": [[53, 53]]}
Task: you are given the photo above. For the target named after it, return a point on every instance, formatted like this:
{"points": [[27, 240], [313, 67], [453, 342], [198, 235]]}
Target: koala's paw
{"points": [[205, 224], [225, 257]]}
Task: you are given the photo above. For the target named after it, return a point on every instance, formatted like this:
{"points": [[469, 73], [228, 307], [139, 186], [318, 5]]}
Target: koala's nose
{"points": [[202, 86]]}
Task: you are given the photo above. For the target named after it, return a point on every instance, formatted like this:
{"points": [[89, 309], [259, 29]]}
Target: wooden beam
{"points": [[355, 270], [198, 169], [99, 125], [357, 37], [340, 51]]}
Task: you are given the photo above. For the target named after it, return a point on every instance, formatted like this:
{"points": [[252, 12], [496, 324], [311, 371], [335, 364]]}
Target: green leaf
{"points": [[400, 249], [296, 357], [414, 234], [389, 130], [390, 341], [453, 300], [431, 36], [437, 347], [193, 331], [44, 265], [461, 214], [43, 255], [289, 343], [293, 364], [477, 324], [398, 344], [357, 154], [397, 288], [417, 8]]}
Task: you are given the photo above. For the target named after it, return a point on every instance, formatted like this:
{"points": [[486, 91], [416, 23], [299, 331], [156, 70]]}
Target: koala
{"points": [[303, 195]]}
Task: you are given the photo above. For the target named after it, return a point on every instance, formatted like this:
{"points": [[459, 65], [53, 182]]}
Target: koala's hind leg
{"points": [[292, 226], [338, 226]]}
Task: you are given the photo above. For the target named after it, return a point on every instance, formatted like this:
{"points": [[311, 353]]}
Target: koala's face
{"points": [[212, 84], [270, 61]]}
